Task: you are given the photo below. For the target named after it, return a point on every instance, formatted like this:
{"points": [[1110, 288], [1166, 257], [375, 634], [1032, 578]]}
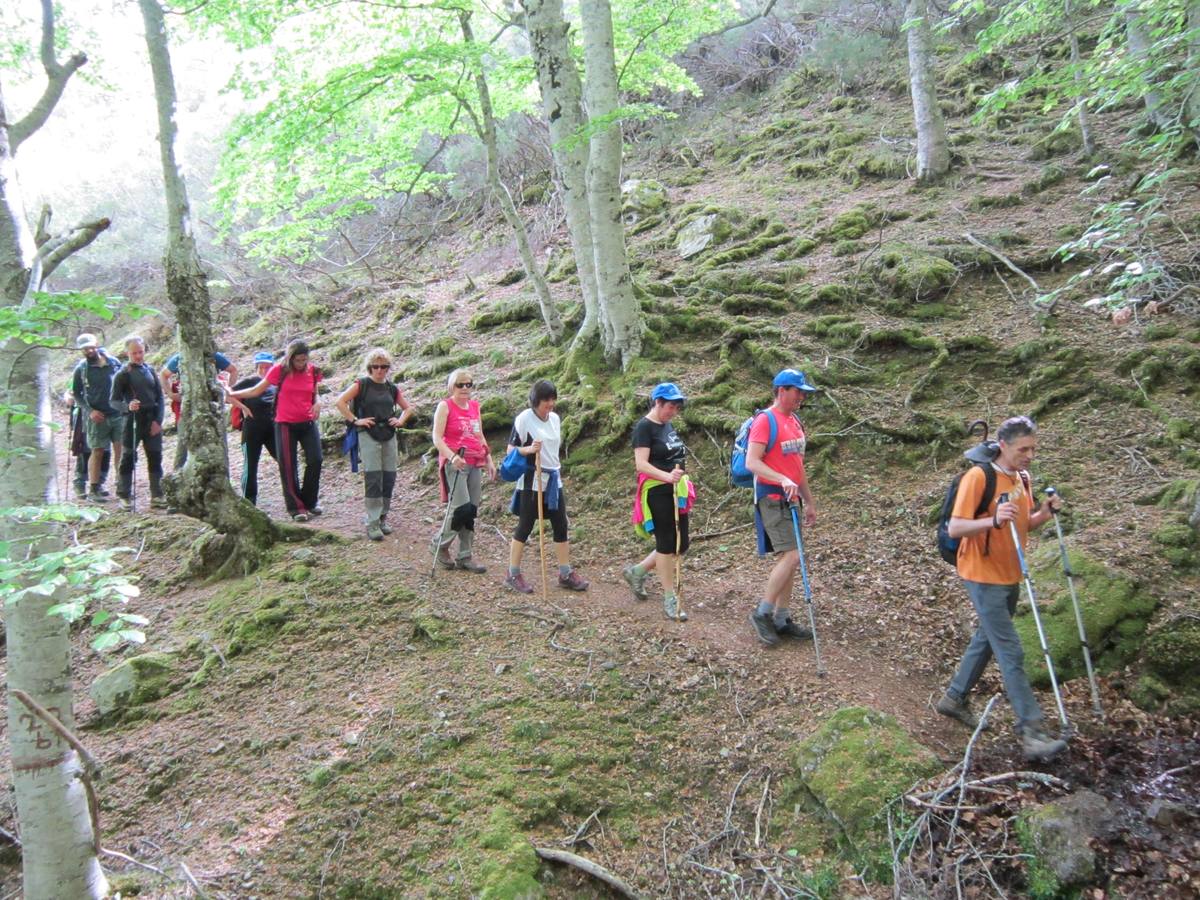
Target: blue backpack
{"points": [[739, 475]]}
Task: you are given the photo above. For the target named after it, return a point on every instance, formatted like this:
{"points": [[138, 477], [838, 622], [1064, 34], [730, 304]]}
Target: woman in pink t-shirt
{"points": [[458, 436], [296, 412]]}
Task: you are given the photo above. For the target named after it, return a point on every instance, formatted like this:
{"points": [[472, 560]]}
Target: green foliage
{"points": [[42, 321], [85, 574]]}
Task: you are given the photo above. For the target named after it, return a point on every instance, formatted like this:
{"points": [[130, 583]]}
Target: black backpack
{"points": [[981, 455]]}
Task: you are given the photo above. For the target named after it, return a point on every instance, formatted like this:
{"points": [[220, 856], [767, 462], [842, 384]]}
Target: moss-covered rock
{"points": [[913, 273], [1172, 653], [848, 226], [521, 309], [509, 871], [642, 197], [134, 681], [850, 769], [1116, 610], [1057, 837], [871, 162], [835, 330]]}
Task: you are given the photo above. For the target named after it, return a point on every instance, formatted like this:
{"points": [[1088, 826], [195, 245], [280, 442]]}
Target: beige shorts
{"points": [[777, 523]]}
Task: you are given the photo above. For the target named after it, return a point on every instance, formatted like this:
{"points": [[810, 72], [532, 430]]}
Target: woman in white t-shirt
{"points": [[537, 430]]}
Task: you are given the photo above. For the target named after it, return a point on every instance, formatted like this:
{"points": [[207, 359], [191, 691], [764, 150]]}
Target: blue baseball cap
{"points": [[793, 378], [264, 356], [668, 390]]}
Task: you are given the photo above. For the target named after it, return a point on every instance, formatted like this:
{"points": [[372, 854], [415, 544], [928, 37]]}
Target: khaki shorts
{"points": [[102, 434], [777, 523]]}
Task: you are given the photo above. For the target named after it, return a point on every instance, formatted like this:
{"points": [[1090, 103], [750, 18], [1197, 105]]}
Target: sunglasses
{"points": [[384, 366], [464, 384]]}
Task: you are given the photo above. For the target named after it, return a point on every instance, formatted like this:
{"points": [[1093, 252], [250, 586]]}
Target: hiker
{"points": [[369, 405], [173, 382], [458, 426], [91, 388], [537, 431], [991, 573], [659, 457], [138, 395], [79, 449], [297, 410], [256, 420], [776, 458]]}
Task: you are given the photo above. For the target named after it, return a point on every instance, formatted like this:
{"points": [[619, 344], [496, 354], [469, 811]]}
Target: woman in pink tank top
{"points": [[463, 455]]}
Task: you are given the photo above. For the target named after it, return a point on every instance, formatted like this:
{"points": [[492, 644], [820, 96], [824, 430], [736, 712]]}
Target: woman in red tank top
{"points": [[463, 455]]}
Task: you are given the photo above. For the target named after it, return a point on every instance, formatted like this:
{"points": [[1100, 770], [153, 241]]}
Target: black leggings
{"points": [[528, 513], [661, 500]]}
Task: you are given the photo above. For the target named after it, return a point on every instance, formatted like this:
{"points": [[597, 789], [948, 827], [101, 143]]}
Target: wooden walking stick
{"points": [[537, 474]]}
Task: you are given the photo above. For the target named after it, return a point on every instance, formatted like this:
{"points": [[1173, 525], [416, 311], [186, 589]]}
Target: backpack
{"points": [[235, 417], [980, 455], [739, 475]]}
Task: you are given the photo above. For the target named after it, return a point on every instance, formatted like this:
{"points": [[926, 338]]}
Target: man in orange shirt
{"points": [[991, 572]]}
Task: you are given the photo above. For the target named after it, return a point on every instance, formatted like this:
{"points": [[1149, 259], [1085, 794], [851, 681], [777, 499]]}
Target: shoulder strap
{"points": [[989, 488], [774, 435]]}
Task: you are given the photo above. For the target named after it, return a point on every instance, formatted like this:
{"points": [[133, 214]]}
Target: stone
{"points": [[695, 236], [304, 554], [641, 198], [137, 680], [1167, 813], [1060, 833]]}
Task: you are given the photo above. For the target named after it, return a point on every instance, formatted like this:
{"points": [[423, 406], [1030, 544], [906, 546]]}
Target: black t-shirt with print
{"points": [[666, 447]]}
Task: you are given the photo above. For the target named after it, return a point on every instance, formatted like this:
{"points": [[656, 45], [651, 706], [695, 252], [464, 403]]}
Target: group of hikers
{"points": [[277, 409]]}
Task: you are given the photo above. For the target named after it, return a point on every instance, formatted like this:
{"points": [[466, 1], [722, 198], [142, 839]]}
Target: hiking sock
{"points": [[564, 571], [781, 617], [514, 571], [765, 608]]}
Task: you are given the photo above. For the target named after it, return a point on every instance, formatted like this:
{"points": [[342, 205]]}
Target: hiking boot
{"points": [[764, 627], [958, 709], [124, 502], [300, 517], [386, 528], [158, 502], [572, 582], [469, 565], [444, 559], [636, 582], [316, 511], [80, 491], [97, 497], [789, 628], [374, 532], [1037, 745], [518, 583], [101, 490], [671, 609]]}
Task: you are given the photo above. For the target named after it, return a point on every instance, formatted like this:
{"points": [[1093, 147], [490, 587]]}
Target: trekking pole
{"points": [[537, 474], [812, 619], [678, 556], [1037, 619], [437, 538], [133, 467], [1083, 641]]}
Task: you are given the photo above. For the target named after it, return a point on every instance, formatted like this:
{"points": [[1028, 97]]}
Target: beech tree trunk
{"points": [[58, 845], [202, 488], [1139, 46], [487, 131], [1191, 103], [933, 148], [618, 305], [1085, 124], [562, 103]]}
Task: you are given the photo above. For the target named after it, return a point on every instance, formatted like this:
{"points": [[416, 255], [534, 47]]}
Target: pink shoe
{"points": [[572, 582], [518, 583]]}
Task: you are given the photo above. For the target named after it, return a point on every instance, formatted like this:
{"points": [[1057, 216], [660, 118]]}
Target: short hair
{"points": [[541, 391], [135, 339], [454, 376], [1016, 427], [376, 353]]}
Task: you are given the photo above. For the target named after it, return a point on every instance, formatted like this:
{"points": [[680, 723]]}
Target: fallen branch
{"points": [[1007, 262], [586, 865], [723, 531]]}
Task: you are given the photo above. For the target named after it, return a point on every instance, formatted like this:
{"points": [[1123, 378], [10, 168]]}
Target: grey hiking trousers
{"points": [[467, 492], [379, 474], [996, 636]]}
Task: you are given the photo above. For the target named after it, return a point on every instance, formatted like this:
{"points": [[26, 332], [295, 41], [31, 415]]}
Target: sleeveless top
{"points": [[464, 428], [377, 400]]}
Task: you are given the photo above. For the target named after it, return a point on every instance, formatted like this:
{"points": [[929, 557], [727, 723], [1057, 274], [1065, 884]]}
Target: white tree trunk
{"points": [[1139, 46], [618, 304], [58, 845], [562, 102], [487, 128], [933, 149], [1085, 125]]}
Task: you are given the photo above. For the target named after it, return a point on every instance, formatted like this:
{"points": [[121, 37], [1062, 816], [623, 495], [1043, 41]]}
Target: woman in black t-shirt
{"points": [[370, 406], [659, 454]]}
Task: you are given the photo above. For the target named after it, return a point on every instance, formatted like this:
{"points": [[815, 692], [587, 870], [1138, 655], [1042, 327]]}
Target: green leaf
{"points": [[106, 640]]}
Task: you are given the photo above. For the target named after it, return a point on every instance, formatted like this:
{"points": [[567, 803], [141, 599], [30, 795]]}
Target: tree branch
{"points": [[762, 14], [57, 75], [54, 251]]}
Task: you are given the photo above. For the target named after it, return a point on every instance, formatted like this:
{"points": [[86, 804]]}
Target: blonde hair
{"points": [[376, 354], [455, 376]]}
